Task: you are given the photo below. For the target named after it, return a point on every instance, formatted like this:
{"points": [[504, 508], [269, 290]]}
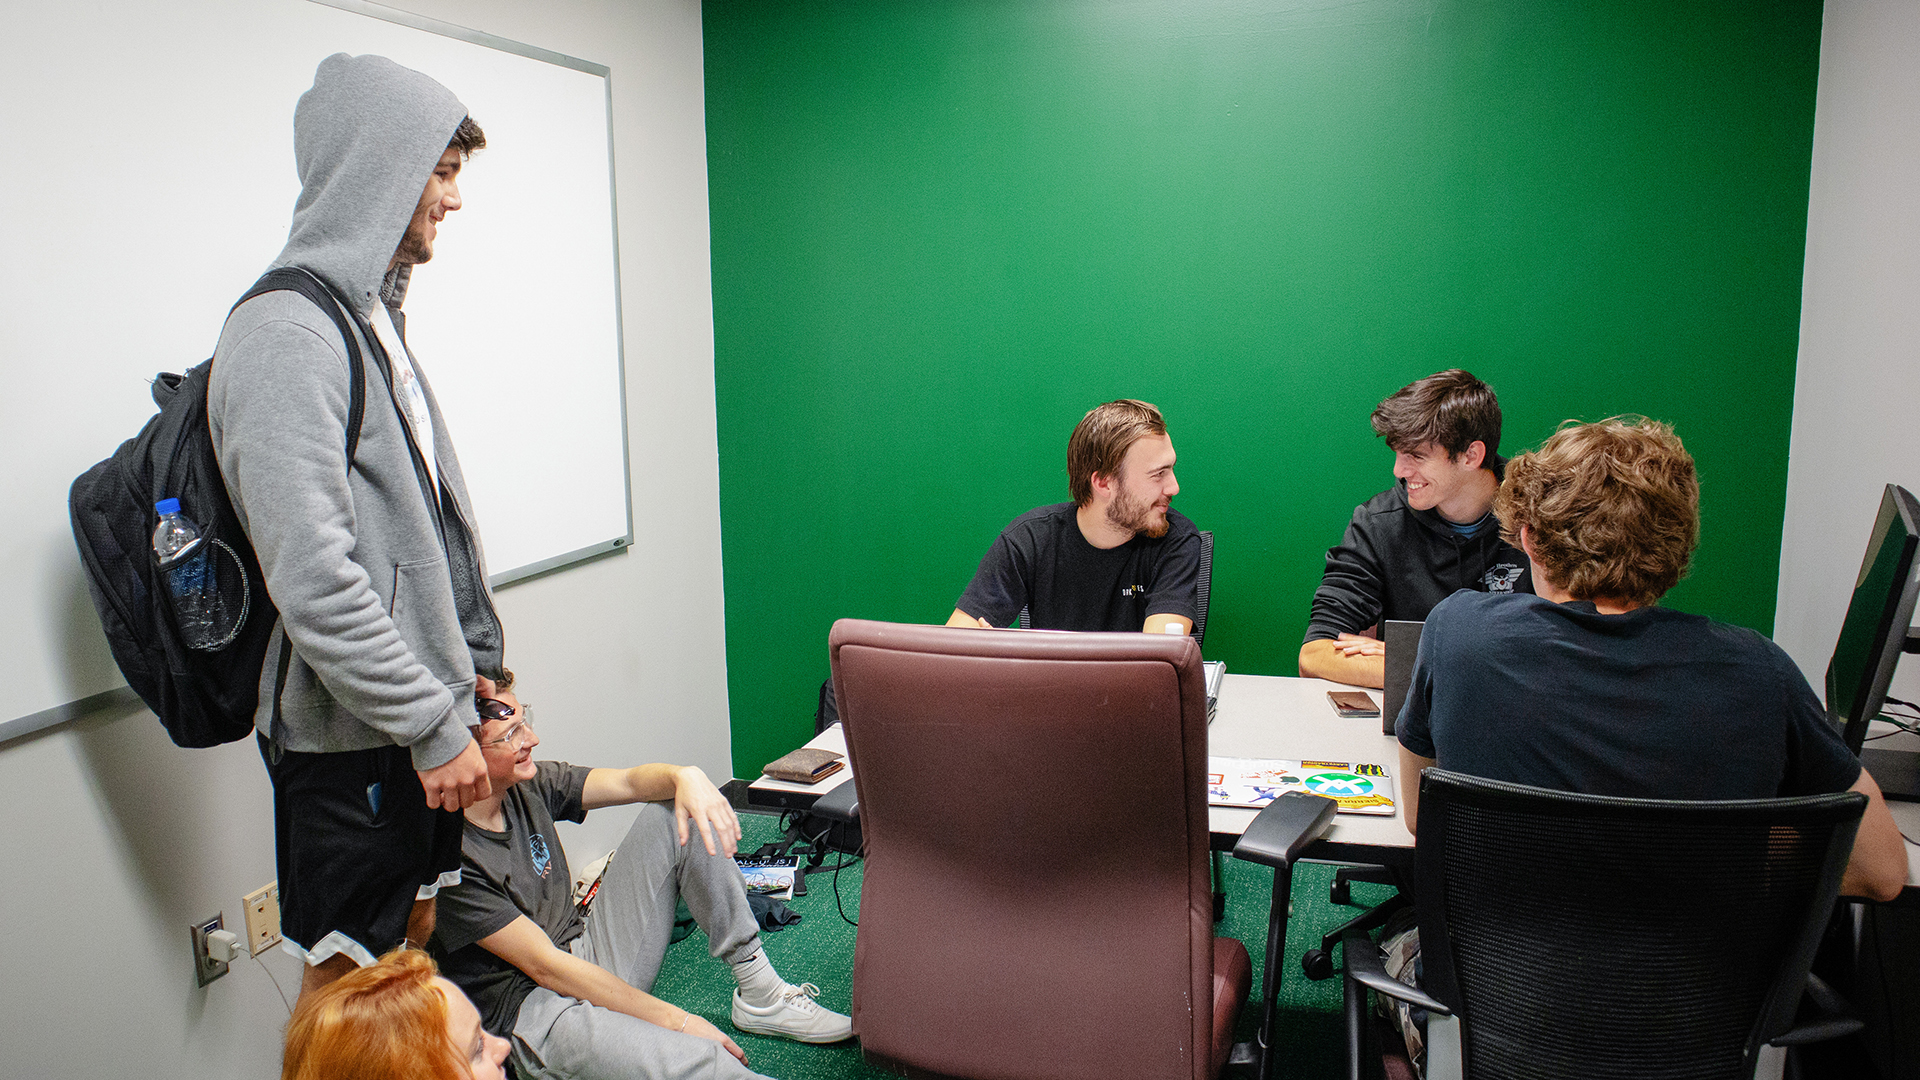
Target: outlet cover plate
{"points": [[262, 907], [205, 967]]}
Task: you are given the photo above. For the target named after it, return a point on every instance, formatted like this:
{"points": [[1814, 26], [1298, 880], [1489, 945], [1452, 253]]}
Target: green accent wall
{"points": [[944, 229]]}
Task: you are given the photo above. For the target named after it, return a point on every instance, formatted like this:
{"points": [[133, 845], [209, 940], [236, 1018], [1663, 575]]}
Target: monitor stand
{"points": [[1896, 771]]}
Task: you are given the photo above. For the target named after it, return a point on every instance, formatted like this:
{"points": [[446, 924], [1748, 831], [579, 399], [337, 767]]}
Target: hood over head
{"points": [[365, 139]]}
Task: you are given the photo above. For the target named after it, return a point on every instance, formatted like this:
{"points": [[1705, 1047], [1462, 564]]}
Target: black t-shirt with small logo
{"points": [[504, 875], [1042, 562]]}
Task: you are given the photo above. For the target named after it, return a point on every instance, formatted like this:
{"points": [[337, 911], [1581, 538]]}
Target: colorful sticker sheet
{"points": [[1358, 787]]}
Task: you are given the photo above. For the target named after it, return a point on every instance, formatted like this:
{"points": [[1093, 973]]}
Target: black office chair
{"points": [[1202, 592], [1584, 936], [1203, 588]]}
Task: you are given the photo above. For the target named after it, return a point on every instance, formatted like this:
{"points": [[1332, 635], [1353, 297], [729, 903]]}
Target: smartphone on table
{"points": [[1353, 703]]}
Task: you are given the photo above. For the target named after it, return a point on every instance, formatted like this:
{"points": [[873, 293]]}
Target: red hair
{"points": [[385, 1022]]}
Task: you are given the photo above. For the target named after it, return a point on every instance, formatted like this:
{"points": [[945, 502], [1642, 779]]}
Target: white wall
{"points": [[114, 840], [1856, 409]]}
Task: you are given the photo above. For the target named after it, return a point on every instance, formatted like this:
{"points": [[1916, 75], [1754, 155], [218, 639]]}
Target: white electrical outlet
{"points": [[205, 967], [262, 906]]}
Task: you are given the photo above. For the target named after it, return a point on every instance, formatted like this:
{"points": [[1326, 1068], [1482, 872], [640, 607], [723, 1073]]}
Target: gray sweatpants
{"points": [[628, 932]]}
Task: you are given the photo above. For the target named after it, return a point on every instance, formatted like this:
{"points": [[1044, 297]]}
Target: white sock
{"points": [[760, 985]]}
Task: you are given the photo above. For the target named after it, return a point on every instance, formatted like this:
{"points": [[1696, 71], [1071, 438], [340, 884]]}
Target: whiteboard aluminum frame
{"points": [[533, 52], [123, 696]]}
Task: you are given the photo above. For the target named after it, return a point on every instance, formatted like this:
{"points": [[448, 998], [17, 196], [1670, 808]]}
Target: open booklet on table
{"points": [[1358, 787]]}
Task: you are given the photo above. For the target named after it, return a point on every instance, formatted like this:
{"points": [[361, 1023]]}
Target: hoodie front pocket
{"points": [[423, 613]]}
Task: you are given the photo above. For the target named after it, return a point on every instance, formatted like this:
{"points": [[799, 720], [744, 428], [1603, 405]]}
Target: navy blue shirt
{"points": [[1649, 704]]}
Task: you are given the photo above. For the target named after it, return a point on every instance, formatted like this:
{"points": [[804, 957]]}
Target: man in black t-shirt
{"points": [[569, 985], [1433, 532], [1117, 557]]}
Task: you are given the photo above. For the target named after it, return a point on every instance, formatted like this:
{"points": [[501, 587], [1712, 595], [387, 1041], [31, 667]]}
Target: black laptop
{"points": [[1403, 643]]}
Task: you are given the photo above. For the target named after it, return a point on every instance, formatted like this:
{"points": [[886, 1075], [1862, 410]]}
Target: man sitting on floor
{"points": [[569, 986]]}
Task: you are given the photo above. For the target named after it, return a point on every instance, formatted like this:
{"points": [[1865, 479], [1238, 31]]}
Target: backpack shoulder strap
{"points": [[309, 285]]}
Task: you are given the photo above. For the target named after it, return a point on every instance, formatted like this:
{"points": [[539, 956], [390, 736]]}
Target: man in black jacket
{"points": [[1429, 535]]}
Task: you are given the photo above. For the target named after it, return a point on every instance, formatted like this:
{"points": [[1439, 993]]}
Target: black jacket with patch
{"points": [[1396, 562]]}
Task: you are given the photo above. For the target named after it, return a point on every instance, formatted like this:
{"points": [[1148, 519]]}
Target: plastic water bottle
{"points": [[185, 560]]}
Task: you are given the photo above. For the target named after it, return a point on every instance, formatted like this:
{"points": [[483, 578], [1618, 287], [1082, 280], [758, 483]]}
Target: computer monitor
{"points": [[1876, 628]]}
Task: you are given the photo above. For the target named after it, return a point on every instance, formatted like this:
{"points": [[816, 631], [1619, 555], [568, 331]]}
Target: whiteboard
{"points": [[149, 178]]}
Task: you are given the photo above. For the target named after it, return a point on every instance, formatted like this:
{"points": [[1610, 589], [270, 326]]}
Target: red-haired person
{"points": [[1118, 557], [392, 1020]]}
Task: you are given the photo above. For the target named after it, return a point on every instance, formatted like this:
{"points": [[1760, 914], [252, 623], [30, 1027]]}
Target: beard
{"points": [[1135, 515], [414, 248]]}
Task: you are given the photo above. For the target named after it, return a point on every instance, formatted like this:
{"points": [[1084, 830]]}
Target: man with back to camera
{"points": [[377, 572], [1433, 532], [1589, 687], [569, 987], [1118, 557]]}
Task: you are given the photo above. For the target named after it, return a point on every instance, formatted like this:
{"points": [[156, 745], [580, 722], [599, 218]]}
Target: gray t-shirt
{"points": [[521, 870]]}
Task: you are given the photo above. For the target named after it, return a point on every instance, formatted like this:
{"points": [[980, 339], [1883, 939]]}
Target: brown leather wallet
{"points": [[806, 765]]}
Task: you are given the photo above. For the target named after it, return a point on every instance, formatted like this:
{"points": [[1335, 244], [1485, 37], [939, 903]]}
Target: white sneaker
{"points": [[794, 1015]]}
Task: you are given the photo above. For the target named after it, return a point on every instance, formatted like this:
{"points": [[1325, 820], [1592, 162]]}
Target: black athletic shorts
{"points": [[355, 843]]}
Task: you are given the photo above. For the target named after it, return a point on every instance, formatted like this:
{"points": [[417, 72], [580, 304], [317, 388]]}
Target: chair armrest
{"points": [[1284, 828], [840, 804], [1364, 967], [1832, 1019]]}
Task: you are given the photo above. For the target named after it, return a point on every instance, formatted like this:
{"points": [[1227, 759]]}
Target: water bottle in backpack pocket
{"points": [[206, 583]]}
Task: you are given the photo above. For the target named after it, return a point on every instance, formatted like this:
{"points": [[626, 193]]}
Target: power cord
{"points": [[225, 946], [836, 892], [1900, 722], [276, 986]]}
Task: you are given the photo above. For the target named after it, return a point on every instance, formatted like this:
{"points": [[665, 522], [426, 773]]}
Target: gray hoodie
{"points": [[382, 593]]}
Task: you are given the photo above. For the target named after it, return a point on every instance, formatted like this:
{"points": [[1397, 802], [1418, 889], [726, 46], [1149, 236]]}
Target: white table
{"points": [[1264, 716], [1907, 816], [1259, 716], [1267, 716]]}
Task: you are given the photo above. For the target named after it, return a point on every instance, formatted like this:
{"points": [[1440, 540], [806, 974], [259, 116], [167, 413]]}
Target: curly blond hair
{"points": [[1611, 509]]}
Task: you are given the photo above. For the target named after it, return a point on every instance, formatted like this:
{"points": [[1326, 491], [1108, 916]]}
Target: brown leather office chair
{"points": [[1036, 900]]}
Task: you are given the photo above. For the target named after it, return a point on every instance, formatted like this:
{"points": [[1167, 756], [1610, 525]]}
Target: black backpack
{"points": [[204, 698]]}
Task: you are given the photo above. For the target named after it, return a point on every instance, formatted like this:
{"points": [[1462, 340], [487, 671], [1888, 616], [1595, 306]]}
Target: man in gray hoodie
{"points": [[386, 622]]}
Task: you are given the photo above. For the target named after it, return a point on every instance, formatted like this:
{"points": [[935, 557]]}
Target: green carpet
{"points": [[819, 949]]}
